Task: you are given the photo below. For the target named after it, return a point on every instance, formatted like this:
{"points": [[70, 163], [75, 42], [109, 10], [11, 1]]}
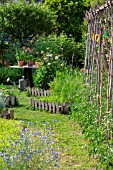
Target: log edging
{"points": [[52, 107]]}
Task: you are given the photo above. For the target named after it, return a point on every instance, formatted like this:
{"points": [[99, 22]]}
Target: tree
{"points": [[70, 16], [22, 19]]}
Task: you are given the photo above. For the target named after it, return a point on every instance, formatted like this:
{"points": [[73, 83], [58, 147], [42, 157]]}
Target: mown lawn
{"points": [[73, 154]]}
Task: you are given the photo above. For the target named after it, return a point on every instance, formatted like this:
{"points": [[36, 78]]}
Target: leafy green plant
{"points": [[14, 74], [34, 148], [50, 63], [72, 52], [22, 16]]}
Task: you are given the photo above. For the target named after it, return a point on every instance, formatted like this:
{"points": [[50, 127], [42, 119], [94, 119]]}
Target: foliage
{"points": [[25, 53], [34, 148], [13, 74], [70, 16], [85, 112], [8, 130], [72, 52], [64, 86], [50, 63], [1, 102], [17, 19], [70, 143]]}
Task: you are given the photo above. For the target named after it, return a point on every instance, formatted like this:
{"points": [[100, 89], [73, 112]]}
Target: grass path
{"points": [[67, 134]]}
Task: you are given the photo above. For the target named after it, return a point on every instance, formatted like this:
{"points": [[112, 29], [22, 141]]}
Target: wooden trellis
{"points": [[98, 64]]}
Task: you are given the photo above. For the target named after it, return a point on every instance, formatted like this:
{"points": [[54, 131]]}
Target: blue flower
{"points": [[39, 151], [36, 134], [34, 152], [54, 121], [49, 133], [57, 166], [8, 159], [14, 157], [54, 153], [44, 137], [21, 152], [29, 156], [16, 141], [56, 156]]}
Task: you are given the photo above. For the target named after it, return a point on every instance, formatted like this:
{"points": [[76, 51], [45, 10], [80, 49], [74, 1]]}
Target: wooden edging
{"points": [[10, 101], [50, 106], [8, 114], [38, 92]]}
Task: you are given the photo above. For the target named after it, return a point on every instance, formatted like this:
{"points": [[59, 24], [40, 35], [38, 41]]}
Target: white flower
{"points": [[56, 57], [48, 64], [8, 79], [42, 52], [49, 55]]}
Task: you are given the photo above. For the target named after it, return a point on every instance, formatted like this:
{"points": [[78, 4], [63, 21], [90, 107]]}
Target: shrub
{"points": [[6, 72], [26, 19], [72, 52], [50, 63]]}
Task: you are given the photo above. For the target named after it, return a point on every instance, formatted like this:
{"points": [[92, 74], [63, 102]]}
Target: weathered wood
{"points": [[45, 93], [33, 91], [50, 107], [40, 105], [4, 112], [36, 104], [13, 100], [7, 101], [57, 107], [46, 106], [43, 105], [53, 107], [38, 93], [41, 92], [65, 105], [31, 101], [11, 114]]}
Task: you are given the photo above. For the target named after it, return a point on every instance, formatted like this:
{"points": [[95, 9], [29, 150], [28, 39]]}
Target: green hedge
{"points": [[12, 73]]}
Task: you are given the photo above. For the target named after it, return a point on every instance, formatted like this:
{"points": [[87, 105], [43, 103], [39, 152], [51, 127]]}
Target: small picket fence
{"points": [[53, 107]]}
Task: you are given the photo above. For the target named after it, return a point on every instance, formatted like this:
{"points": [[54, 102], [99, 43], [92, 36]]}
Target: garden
{"points": [[63, 119]]}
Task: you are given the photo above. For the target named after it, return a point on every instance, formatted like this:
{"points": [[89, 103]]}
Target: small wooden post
{"points": [[33, 91], [38, 93], [57, 107], [45, 93], [65, 105], [50, 107], [46, 106], [43, 105], [7, 101], [39, 104], [4, 112], [31, 101], [41, 92], [13, 100], [11, 114], [54, 108], [36, 104]]}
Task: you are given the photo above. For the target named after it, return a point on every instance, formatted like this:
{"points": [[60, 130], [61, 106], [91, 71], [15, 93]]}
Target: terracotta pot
{"points": [[36, 64], [20, 63], [29, 63]]}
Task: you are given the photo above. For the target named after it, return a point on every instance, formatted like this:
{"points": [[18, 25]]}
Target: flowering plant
{"points": [[24, 54], [21, 54], [50, 63]]}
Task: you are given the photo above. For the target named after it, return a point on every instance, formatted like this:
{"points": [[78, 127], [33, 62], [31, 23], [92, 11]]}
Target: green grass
{"points": [[72, 145]]}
